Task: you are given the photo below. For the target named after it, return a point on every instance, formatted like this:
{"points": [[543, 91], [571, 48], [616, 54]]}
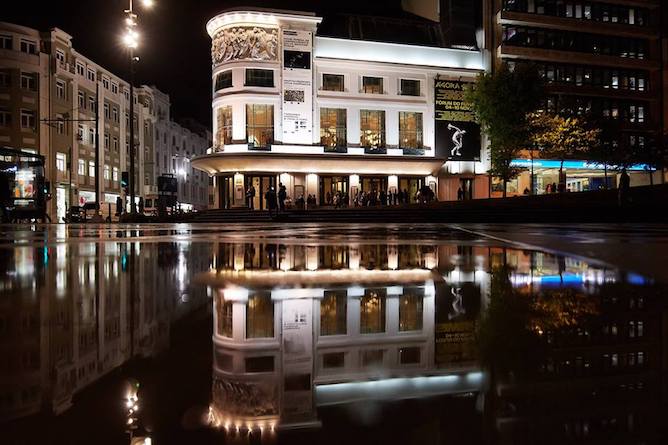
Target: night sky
{"points": [[175, 48]]}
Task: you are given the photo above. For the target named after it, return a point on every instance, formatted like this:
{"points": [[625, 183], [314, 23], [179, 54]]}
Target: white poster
{"points": [[297, 87]]}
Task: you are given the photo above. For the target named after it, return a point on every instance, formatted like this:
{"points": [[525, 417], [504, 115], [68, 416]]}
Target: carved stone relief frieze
{"points": [[244, 43]]}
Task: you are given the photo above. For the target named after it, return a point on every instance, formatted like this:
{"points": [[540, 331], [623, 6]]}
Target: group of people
{"points": [[276, 199], [373, 198]]}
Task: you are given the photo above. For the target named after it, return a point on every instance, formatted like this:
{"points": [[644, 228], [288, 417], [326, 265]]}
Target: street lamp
{"points": [[131, 41]]}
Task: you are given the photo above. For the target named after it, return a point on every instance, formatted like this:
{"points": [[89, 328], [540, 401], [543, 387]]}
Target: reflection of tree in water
{"points": [[512, 333], [245, 399]]}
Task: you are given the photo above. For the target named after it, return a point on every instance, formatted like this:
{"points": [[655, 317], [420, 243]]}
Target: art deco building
{"points": [[50, 95], [378, 107]]}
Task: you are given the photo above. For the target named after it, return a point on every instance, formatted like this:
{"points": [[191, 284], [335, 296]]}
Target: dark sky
{"points": [[175, 47]]}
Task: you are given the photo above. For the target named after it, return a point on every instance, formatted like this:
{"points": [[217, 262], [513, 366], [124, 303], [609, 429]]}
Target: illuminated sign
{"points": [[297, 87], [457, 133], [572, 164]]}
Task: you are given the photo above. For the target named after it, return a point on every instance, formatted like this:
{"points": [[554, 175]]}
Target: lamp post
{"points": [[131, 40]]}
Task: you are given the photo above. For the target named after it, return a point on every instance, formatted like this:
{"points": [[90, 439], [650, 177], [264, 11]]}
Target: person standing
{"points": [[250, 197], [270, 198], [624, 188], [282, 195], [460, 194]]}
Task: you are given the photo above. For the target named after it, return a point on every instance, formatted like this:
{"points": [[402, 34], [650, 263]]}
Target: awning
{"points": [[268, 162]]}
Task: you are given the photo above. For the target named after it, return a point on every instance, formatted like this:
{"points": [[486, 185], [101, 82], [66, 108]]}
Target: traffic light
{"points": [[125, 181]]}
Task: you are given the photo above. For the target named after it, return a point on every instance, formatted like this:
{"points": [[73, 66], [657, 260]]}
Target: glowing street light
{"points": [[131, 41]]}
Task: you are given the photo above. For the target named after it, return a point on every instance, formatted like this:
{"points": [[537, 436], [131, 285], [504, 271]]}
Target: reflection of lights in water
{"points": [[61, 283], [181, 271]]}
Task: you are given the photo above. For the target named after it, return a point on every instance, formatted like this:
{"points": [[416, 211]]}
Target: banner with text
{"points": [[457, 133], [297, 87]]}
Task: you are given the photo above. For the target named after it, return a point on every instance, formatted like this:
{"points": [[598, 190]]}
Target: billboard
{"points": [[297, 88], [457, 134], [457, 309]]}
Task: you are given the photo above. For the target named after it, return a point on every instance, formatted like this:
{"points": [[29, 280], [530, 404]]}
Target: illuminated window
{"points": [[91, 169], [260, 317], [107, 173], [372, 128], [372, 85], [115, 174], [61, 162], [333, 82], [82, 167], [410, 130], [260, 125], [333, 127], [224, 314], [333, 312], [372, 312], [410, 313], [224, 126]]}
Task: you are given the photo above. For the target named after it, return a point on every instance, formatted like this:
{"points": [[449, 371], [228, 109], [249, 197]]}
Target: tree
{"points": [[502, 102], [559, 137]]}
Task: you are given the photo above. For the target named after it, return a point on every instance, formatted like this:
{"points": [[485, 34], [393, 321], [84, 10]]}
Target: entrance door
{"points": [[261, 184], [412, 185], [332, 185], [226, 191]]}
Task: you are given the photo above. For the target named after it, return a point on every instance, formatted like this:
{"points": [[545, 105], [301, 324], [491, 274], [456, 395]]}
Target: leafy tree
{"points": [[560, 137], [502, 101]]}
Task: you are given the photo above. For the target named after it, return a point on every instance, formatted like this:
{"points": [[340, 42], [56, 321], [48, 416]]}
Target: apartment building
{"points": [[55, 101]]}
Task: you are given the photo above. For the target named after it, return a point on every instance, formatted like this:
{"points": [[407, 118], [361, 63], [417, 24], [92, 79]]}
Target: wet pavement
{"points": [[333, 334]]}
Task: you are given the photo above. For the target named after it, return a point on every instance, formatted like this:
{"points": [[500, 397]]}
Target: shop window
{"points": [[372, 128], [333, 82], [260, 317], [259, 78], [372, 85], [333, 132], [333, 313], [410, 130], [372, 312], [260, 125], [223, 126]]}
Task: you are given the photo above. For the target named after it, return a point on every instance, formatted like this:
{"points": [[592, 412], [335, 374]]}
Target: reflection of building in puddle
{"points": [[80, 311], [299, 335]]}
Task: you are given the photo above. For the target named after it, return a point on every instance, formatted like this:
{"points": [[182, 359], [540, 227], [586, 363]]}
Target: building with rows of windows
{"points": [[49, 97], [329, 116], [601, 59]]}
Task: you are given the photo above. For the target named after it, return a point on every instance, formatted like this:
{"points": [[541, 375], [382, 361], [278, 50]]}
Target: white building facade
{"points": [[323, 115]]}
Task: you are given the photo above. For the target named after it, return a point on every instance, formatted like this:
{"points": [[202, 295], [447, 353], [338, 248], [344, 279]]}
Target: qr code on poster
{"points": [[293, 96]]}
